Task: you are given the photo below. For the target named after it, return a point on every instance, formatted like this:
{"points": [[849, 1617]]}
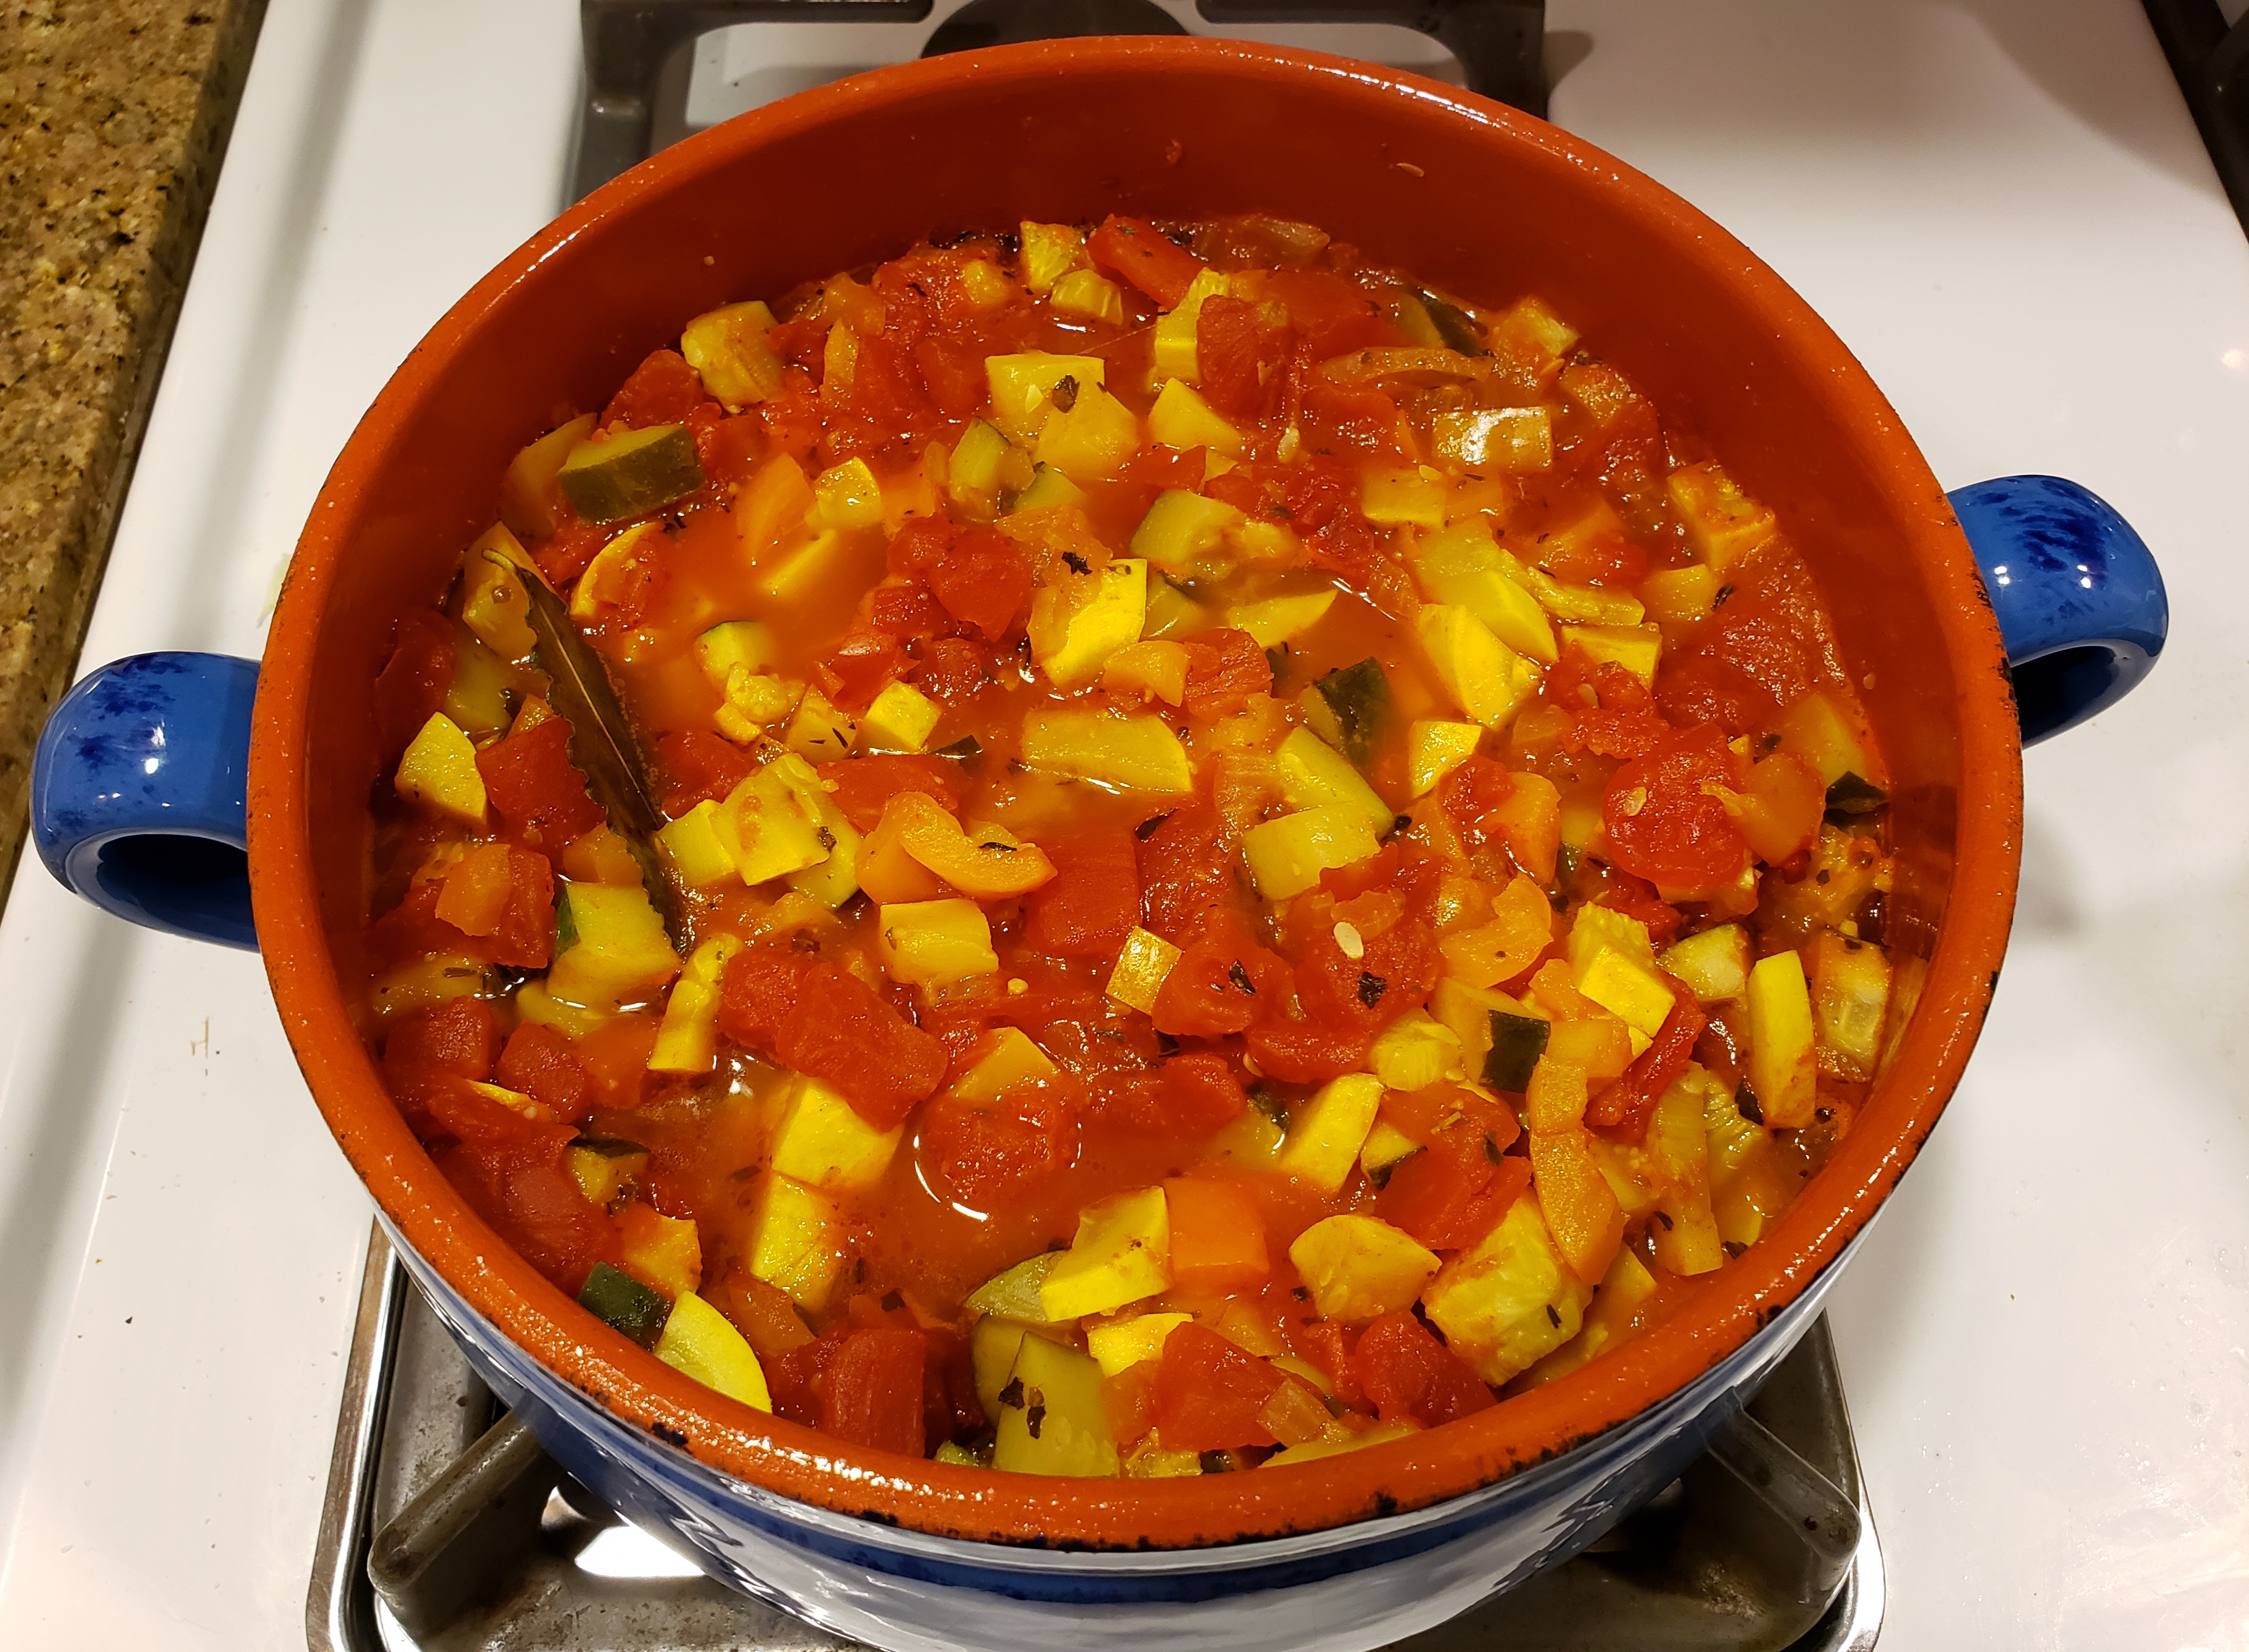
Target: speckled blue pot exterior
{"points": [[1335, 1591]]}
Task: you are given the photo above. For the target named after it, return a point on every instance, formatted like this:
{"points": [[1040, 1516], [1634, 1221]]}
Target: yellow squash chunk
{"points": [[534, 1003], [619, 951], [439, 772], [515, 1101], [631, 472], [699, 1342], [1314, 773], [1723, 523], [1497, 441], [1274, 620], [788, 577], [1131, 754], [993, 1342], [692, 843], [1122, 1344], [1014, 1294], [1850, 1000], [1639, 649], [727, 347], [1386, 1146], [1677, 1151], [973, 470], [1682, 596], [1090, 294], [1074, 654], [767, 830], [1508, 1302], [771, 506], [1060, 1423], [688, 1040], [1287, 856], [1141, 966], [1172, 612], [1415, 497], [662, 1252], [796, 1241], [989, 862], [1000, 1062], [986, 284], [1313, 1450], [1435, 749], [821, 1142], [1624, 1288], [601, 1175], [1122, 1252], [1750, 1182], [1024, 385], [1357, 1267], [933, 942], [846, 495], [1715, 964], [612, 573], [1182, 529], [1326, 1133], [1594, 927], [901, 720], [819, 733], [1461, 564], [1089, 438], [1415, 1051], [1467, 1011], [492, 603], [1050, 488], [1153, 670], [1627, 990], [1781, 1065], [1484, 678], [1814, 730], [1174, 345], [599, 857], [477, 698], [835, 880], [1577, 604], [1582, 1213], [1182, 419], [1050, 251], [526, 491]]}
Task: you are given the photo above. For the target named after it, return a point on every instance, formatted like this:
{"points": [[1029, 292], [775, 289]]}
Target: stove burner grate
{"points": [[480, 1543]]}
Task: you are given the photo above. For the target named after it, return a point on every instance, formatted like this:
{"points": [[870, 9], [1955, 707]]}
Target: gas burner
{"points": [[448, 1530], [638, 51]]}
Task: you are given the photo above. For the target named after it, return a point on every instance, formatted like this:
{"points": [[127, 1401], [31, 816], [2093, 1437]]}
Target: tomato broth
{"points": [[1250, 855]]}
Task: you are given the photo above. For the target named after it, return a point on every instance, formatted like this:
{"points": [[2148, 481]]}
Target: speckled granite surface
{"points": [[113, 115]]}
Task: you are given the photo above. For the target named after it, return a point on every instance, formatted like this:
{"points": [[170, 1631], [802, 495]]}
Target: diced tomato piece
{"points": [[615, 1058], [412, 930], [662, 389], [1636, 898], [1201, 1091], [505, 897], [1622, 1111], [871, 1393], [1396, 970], [831, 1025], [953, 366], [1307, 1052], [950, 669], [1330, 314], [460, 1037], [1661, 824], [518, 1185], [1444, 1204], [793, 1377], [544, 1065], [1186, 873], [1129, 1397], [1093, 900], [1351, 415], [1695, 688], [697, 765], [1208, 1393], [1378, 870], [887, 388], [1160, 467], [1218, 1236], [983, 1154], [1472, 791], [1327, 1344], [1222, 984], [984, 580], [862, 663], [865, 784], [906, 611], [1135, 250], [793, 421], [1224, 668], [1242, 357], [1604, 560], [918, 543], [1407, 1373], [539, 794], [728, 448], [412, 686]]}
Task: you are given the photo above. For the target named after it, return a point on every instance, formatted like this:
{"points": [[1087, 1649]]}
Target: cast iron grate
{"points": [[506, 1554]]}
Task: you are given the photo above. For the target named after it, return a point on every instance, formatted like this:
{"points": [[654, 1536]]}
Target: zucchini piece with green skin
{"points": [[1517, 1042], [1850, 800], [631, 473], [623, 1303], [1359, 697]]}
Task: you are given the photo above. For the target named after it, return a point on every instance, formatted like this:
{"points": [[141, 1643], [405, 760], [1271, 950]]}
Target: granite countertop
{"points": [[113, 117]]}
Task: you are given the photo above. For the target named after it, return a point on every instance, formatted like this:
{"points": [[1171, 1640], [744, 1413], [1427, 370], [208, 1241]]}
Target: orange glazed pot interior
{"points": [[1468, 194]]}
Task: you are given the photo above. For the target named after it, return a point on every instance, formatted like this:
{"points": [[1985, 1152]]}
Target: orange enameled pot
{"points": [[1470, 195]]}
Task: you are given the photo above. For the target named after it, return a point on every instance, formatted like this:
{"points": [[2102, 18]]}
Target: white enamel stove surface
{"points": [[2001, 206]]}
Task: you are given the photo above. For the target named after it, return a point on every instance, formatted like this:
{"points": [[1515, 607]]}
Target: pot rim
{"points": [[1723, 1313]]}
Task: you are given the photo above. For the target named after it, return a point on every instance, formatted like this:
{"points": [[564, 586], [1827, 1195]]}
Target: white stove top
{"points": [[2003, 207]]}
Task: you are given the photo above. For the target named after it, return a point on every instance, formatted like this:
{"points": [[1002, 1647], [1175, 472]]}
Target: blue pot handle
{"points": [[139, 793], [2080, 600]]}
